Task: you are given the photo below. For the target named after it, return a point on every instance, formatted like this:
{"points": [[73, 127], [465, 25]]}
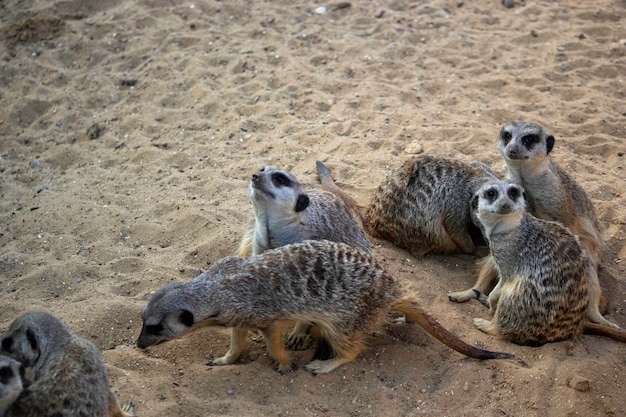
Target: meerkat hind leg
{"points": [[274, 341], [344, 353], [299, 338], [595, 296], [237, 342], [487, 276]]}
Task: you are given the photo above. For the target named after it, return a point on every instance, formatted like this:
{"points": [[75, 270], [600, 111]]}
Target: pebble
{"points": [[509, 4], [35, 164], [230, 392], [579, 383], [320, 10]]}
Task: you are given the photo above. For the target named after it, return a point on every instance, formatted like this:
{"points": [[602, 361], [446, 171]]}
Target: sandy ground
{"points": [[129, 131]]}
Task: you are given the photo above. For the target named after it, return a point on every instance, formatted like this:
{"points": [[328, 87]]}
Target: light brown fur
{"points": [[423, 205], [343, 293], [68, 374]]}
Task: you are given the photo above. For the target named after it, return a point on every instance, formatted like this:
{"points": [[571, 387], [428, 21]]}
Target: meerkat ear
{"points": [[302, 202], [7, 342], [31, 339], [186, 318], [549, 143]]}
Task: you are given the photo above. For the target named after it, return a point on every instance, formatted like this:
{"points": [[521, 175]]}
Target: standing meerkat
{"points": [[342, 292], [423, 205], [69, 376], [11, 376], [286, 213], [542, 290], [552, 194]]}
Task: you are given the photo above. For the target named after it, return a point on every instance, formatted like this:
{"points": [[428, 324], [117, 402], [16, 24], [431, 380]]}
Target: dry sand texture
{"points": [[129, 130]]}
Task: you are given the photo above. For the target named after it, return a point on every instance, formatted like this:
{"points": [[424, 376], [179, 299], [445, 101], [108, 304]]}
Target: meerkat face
{"points": [[11, 374], [165, 317], [499, 206], [521, 141], [20, 343], [278, 188]]}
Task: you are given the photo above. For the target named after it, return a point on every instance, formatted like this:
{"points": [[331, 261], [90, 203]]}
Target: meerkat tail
{"points": [[416, 314], [602, 330], [326, 179]]}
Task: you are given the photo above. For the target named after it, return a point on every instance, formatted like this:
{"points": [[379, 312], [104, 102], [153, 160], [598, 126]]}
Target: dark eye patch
{"points": [[529, 140], [506, 137], [154, 328], [6, 373], [491, 194], [281, 180], [7, 342], [514, 193]]}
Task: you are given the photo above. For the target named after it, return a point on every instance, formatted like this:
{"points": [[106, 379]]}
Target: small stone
{"points": [[35, 164], [620, 154], [230, 391], [112, 345], [95, 131], [579, 383], [509, 4], [414, 148]]}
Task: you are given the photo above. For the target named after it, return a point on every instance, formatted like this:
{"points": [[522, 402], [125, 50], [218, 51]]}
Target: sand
{"points": [[130, 129]]}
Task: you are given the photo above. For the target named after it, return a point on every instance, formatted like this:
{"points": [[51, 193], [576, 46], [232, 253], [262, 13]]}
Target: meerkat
{"points": [[552, 194], [542, 290], [341, 291], [423, 206], [287, 213], [11, 375], [68, 374]]}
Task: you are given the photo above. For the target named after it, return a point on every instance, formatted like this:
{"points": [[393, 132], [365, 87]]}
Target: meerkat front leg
{"points": [[487, 276], [237, 342], [274, 341]]}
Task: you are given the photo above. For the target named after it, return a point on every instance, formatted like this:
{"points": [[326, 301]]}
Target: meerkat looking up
{"points": [[287, 213], [341, 291], [552, 194], [69, 376], [11, 375], [542, 290], [423, 205]]}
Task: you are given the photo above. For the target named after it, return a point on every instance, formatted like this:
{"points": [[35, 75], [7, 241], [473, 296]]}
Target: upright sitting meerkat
{"points": [[69, 377], [423, 205], [286, 213], [11, 374], [341, 291], [552, 194], [542, 291]]}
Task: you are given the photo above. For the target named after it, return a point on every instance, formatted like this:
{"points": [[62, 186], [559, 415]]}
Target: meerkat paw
{"points": [[223, 360], [322, 367], [485, 326], [463, 296], [129, 409], [300, 338], [283, 369]]}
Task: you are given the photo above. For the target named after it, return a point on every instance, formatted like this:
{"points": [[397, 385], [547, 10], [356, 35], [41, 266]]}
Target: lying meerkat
{"points": [[551, 194], [69, 376], [542, 290], [286, 213], [423, 206], [11, 375], [341, 291]]}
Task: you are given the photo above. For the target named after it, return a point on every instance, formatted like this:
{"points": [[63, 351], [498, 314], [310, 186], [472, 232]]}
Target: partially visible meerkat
{"points": [[423, 206], [11, 374], [68, 375], [542, 290], [552, 194], [341, 291], [287, 213]]}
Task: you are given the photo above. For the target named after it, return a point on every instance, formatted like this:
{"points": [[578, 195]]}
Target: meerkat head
{"points": [[499, 206], [169, 315], [20, 342], [277, 188], [522, 141], [11, 376]]}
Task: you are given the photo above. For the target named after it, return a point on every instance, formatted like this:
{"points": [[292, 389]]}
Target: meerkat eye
{"points": [[513, 193], [154, 328], [506, 137], [281, 179], [530, 140], [6, 373], [491, 194]]}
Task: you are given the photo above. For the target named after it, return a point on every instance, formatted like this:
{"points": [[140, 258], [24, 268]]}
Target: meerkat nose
{"points": [[256, 177]]}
